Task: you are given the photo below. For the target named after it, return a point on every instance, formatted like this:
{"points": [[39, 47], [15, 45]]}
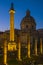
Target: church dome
{"points": [[28, 21]]}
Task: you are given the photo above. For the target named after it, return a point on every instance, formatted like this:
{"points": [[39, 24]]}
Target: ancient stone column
{"points": [[19, 50], [12, 11], [35, 47], [12, 43], [41, 45], [5, 52], [28, 46]]}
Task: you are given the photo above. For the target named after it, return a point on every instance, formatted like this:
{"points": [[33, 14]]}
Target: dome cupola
{"points": [[28, 22]]}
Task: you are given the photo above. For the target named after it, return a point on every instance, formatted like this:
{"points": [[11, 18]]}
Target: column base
{"points": [[5, 64], [19, 59], [12, 46]]}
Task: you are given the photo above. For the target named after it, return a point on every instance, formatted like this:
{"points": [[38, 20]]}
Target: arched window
{"points": [[26, 26]]}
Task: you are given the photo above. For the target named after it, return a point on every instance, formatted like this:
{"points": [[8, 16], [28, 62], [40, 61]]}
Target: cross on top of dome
{"points": [[28, 13]]}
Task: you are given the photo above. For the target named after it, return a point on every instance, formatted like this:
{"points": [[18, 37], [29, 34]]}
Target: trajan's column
{"points": [[12, 44], [12, 11]]}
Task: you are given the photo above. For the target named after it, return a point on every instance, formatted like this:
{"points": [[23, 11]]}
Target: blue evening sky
{"points": [[35, 6]]}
